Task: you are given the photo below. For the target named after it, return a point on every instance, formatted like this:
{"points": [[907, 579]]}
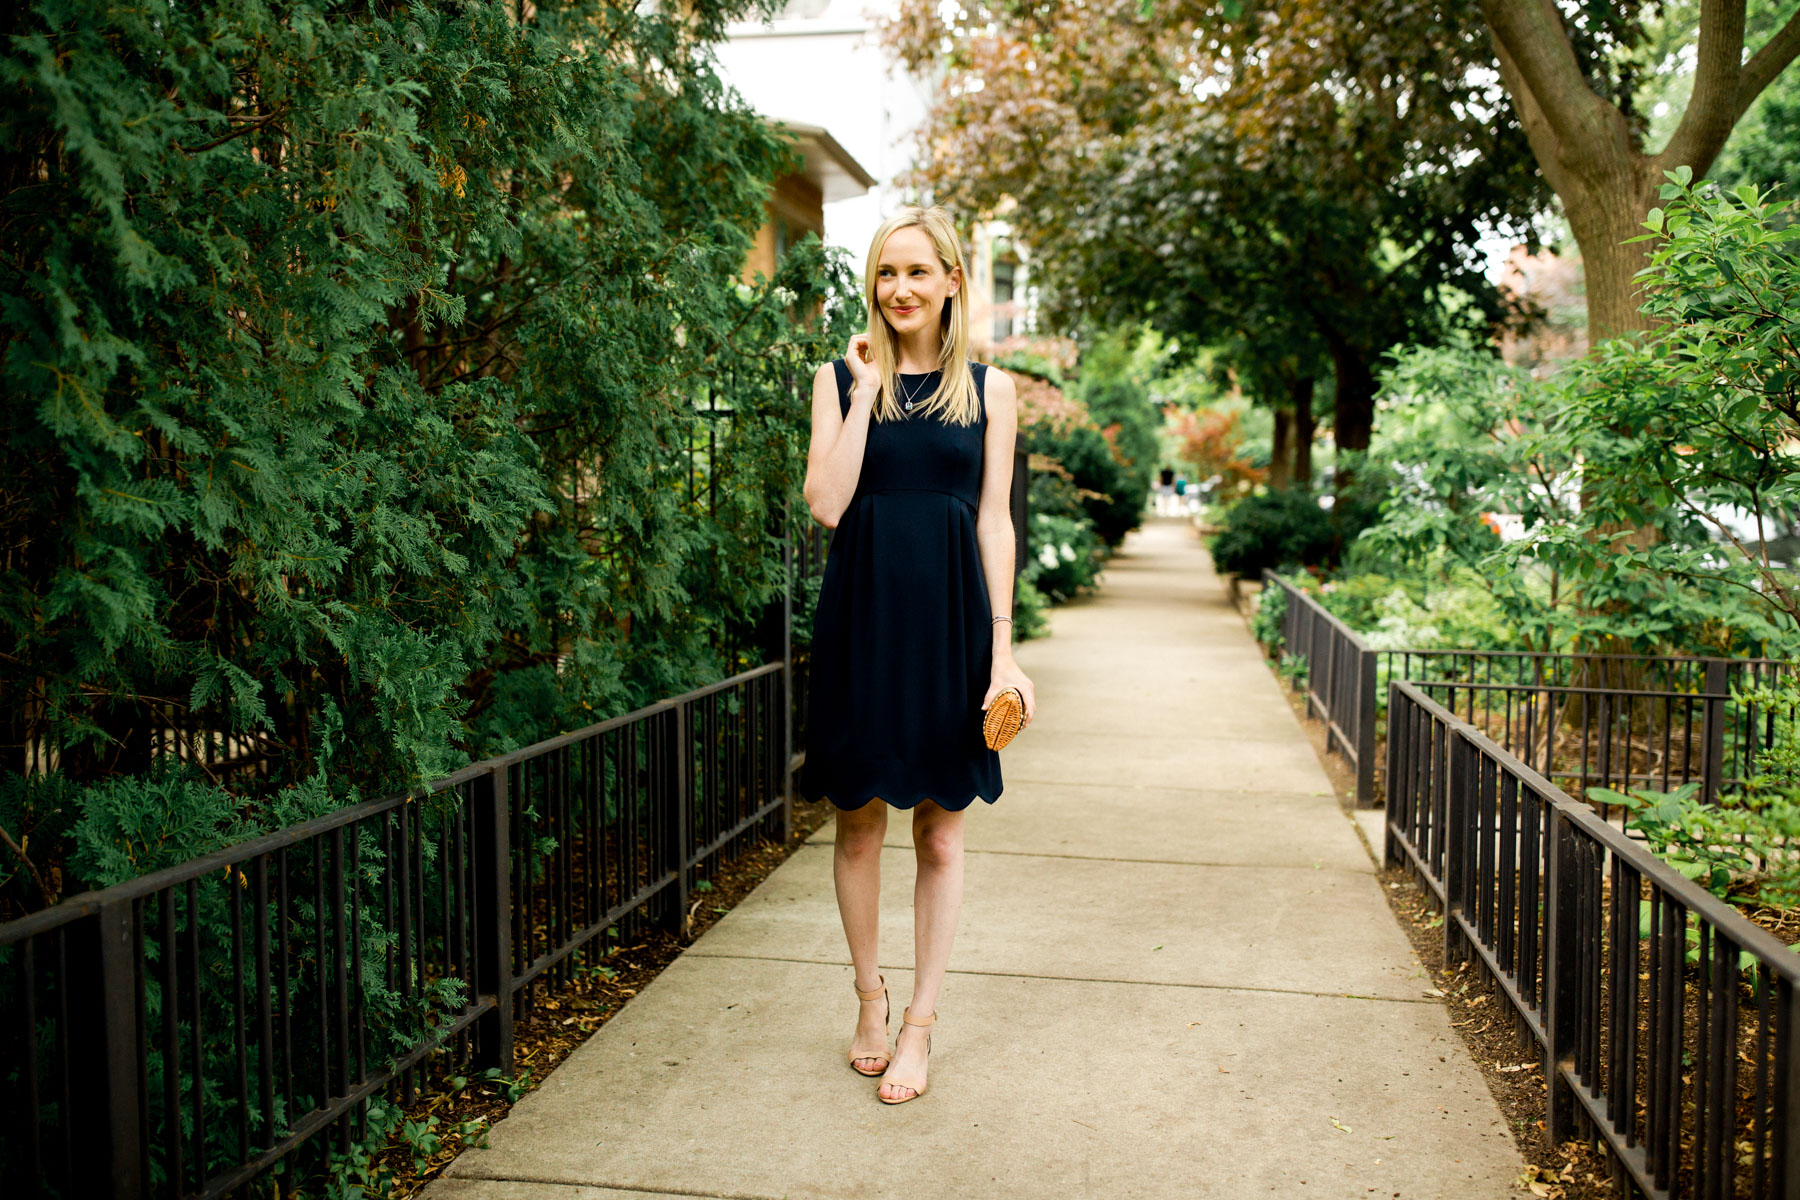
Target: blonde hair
{"points": [[955, 396]]}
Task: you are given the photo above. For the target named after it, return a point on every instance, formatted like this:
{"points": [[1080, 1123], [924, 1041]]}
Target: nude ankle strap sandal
{"points": [[918, 1089], [884, 1056]]}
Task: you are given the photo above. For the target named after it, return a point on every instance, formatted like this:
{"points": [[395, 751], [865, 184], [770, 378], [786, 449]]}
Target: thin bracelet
{"points": [[1008, 620]]}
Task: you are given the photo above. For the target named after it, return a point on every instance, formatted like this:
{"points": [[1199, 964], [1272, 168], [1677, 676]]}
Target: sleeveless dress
{"points": [[902, 644]]}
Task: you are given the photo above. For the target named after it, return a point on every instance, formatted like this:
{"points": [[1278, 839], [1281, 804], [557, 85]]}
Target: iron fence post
{"points": [[1318, 673], [1398, 795], [1303, 651], [1561, 978], [1787, 1065], [1456, 838], [1712, 732], [680, 829], [107, 1118], [1365, 729], [490, 855], [788, 559]]}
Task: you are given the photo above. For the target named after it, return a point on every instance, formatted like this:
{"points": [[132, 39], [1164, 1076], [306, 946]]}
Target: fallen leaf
{"points": [[1340, 1126]]}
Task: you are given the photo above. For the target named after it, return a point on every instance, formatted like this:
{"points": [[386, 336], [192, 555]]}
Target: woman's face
{"points": [[911, 285]]}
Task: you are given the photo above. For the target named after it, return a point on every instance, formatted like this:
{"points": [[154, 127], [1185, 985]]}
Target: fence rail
{"points": [[1339, 680], [178, 1034], [1613, 720], [1666, 1018]]}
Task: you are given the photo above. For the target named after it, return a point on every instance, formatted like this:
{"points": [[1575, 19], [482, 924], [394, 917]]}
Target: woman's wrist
{"points": [[1002, 627]]}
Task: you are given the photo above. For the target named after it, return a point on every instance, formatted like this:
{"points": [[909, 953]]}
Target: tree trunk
{"points": [[1304, 427], [1589, 153], [1602, 214], [1281, 450], [1354, 418]]}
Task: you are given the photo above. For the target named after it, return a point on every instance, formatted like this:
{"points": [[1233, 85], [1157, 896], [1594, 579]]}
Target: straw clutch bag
{"points": [[1005, 716]]}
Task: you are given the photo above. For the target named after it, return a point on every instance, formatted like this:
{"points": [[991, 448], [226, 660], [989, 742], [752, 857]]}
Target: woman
{"points": [[911, 467]]}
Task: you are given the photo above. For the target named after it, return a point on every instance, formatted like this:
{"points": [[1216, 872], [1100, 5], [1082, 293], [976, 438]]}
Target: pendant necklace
{"points": [[914, 397]]}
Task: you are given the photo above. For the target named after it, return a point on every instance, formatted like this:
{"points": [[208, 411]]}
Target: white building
{"points": [[820, 68]]}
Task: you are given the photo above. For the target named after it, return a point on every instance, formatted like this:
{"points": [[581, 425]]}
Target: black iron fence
{"points": [[1339, 679], [178, 1035], [1665, 1017], [1583, 720]]}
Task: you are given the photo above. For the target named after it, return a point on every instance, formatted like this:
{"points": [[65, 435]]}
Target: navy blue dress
{"points": [[902, 640]]}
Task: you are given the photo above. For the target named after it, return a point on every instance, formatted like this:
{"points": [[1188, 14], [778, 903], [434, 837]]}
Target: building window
{"points": [[1004, 275], [781, 239]]}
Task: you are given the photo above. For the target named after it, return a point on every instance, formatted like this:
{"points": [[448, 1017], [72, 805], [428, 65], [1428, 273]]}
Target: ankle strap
{"points": [[873, 992], [907, 1017]]}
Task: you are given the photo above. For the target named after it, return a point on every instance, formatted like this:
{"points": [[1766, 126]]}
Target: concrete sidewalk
{"points": [[1174, 976]]}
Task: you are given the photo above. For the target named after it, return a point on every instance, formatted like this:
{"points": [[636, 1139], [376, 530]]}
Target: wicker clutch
{"points": [[1005, 716]]}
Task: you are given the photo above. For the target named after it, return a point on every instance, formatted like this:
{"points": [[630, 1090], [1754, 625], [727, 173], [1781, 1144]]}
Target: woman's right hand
{"points": [[862, 367]]}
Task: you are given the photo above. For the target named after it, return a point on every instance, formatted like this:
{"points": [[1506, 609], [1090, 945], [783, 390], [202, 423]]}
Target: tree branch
{"points": [[1538, 133], [36, 875], [1767, 63], [1711, 109], [1531, 33]]}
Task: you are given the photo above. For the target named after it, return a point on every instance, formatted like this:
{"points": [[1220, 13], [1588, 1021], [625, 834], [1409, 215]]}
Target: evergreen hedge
{"points": [[359, 368]]}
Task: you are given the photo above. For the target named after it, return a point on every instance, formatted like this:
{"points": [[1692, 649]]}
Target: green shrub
{"points": [[1266, 618], [430, 407], [1288, 528], [1739, 847], [1457, 611], [1029, 604], [1066, 556]]}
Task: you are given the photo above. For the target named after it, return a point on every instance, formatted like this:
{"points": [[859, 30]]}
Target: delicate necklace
{"points": [[914, 397]]}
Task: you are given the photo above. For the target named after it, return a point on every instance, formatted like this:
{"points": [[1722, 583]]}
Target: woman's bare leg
{"points": [[937, 902], [856, 870]]}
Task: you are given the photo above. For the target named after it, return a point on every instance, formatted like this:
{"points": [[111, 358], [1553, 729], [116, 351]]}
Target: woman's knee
{"points": [[860, 830], [938, 842]]}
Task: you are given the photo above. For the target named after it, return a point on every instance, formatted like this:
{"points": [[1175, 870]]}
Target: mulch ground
{"points": [[560, 1020]]}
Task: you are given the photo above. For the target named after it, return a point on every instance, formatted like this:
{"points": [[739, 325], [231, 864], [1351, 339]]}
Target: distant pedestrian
{"points": [[1165, 491]]}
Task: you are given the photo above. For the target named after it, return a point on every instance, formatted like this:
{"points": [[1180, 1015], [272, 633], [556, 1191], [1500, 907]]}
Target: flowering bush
{"points": [[1066, 555]]}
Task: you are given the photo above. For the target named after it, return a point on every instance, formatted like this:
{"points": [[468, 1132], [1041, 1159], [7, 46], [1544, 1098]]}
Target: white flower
{"points": [[1047, 555], [1068, 552], [744, 293], [786, 295]]}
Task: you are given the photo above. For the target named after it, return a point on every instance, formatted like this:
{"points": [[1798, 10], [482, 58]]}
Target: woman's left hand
{"points": [[1007, 674]]}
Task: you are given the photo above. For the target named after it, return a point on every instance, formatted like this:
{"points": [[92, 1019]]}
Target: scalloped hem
{"points": [[906, 802]]}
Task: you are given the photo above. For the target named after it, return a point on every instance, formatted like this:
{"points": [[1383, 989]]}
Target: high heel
{"points": [[886, 1013], [918, 1089]]}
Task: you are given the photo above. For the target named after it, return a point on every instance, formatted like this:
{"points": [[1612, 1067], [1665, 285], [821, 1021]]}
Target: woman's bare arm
{"points": [[835, 454], [993, 515]]}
